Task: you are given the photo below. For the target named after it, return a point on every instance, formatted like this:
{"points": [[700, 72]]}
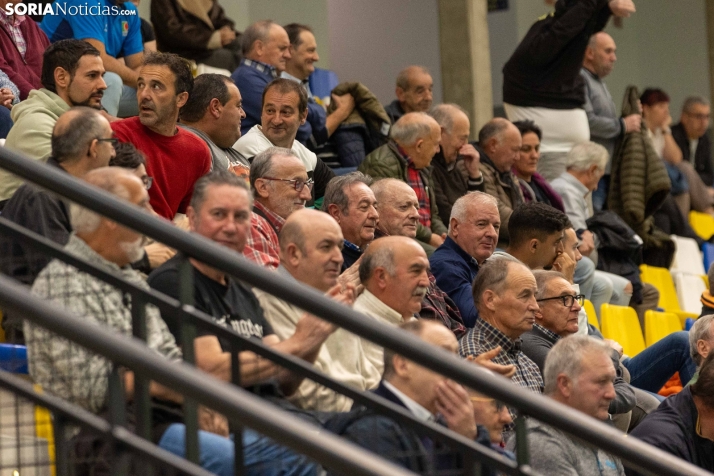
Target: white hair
{"points": [[466, 204], [586, 154], [566, 357]]}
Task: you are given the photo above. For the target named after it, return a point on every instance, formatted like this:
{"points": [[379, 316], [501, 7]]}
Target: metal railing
{"points": [[634, 454]]}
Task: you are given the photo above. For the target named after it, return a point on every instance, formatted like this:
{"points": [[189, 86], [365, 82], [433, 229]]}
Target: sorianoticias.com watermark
{"points": [[61, 8]]}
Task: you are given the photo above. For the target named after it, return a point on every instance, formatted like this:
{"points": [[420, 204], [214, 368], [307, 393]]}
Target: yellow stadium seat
{"points": [[662, 280], [592, 316], [621, 324], [659, 325], [702, 223]]}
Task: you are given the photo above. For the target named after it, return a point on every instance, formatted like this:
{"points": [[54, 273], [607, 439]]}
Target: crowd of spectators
{"points": [[486, 247]]}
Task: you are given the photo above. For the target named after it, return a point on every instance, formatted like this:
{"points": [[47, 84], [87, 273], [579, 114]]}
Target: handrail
{"points": [[81, 417], [236, 404], [635, 454], [205, 322]]}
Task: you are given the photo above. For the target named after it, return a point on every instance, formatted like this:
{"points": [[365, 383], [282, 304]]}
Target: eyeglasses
{"points": [[297, 183], [112, 140], [147, 181], [567, 301]]}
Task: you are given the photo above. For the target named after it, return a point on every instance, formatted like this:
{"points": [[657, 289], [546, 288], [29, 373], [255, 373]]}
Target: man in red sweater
{"points": [[22, 45], [175, 157]]}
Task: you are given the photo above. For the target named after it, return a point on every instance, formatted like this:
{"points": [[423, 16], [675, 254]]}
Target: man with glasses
{"points": [[81, 141], [692, 138]]}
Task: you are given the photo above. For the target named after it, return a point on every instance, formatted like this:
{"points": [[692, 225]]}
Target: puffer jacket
{"points": [[509, 195], [639, 184], [387, 162], [365, 129]]}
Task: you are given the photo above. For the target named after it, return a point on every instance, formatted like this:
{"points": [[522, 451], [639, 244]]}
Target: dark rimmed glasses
{"points": [[297, 183], [568, 300], [112, 140]]}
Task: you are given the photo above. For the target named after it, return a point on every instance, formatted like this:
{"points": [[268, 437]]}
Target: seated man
{"points": [[196, 31], [266, 49], [473, 233], [701, 341], [310, 245], [22, 47], [692, 138], [414, 92], [213, 112], [500, 142], [535, 188], [494, 416], [72, 76], [504, 293], [398, 210], [456, 167], [113, 35], [303, 55], [682, 424], [280, 186], [579, 374], [75, 374], [414, 139], [81, 141], [393, 271], [423, 393], [175, 158], [284, 108], [350, 201]]}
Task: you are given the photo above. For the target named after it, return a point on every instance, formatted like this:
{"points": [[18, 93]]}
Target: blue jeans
{"points": [[600, 194], [5, 122], [119, 100], [261, 455], [651, 368]]}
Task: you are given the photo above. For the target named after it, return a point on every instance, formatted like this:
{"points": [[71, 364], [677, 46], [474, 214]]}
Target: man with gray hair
{"points": [[456, 167], [500, 141], [414, 139], [701, 341], [393, 271], [578, 373], [350, 201], [414, 92], [692, 138], [266, 49]]}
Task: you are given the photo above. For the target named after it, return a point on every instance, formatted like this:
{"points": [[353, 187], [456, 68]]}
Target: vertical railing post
{"points": [[522, 457], [117, 417], [188, 335], [142, 397], [61, 461], [236, 427]]}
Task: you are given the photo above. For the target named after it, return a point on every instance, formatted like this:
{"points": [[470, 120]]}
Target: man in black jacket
{"points": [[691, 137], [542, 82]]}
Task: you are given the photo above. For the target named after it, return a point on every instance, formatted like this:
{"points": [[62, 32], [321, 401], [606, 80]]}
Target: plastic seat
{"points": [[687, 257], [659, 325], [689, 291], [13, 358], [702, 224], [592, 315], [662, 280], [322, 82], [621, 324], [708, 252]]}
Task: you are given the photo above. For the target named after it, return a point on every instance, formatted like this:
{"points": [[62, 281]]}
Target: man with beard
{"points": [[71, 76], [175, 158]]}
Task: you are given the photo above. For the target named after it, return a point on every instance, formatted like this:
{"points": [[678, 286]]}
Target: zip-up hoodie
{"points": [[31, 135]]}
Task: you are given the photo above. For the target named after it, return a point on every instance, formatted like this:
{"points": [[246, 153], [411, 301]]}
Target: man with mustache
{"points": [[393, 271], [504, 292], [71, 76], [175, 158], [350, 201]]}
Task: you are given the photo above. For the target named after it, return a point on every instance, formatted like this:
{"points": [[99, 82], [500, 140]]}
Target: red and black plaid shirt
{"points": [[262, 246], [415, 181]]}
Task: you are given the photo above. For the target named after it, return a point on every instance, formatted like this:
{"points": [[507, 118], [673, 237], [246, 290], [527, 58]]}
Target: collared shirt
{"points": [[573, 194], [415, 181], [484, 337], [68, 370], [548, 333], [305, 83], [455, 270], [12, 23], [262, 246], [275, 220], [417, 410], [262, 67]]}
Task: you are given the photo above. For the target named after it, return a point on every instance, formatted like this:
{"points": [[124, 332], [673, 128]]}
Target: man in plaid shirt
{"points": [[505, 295]]}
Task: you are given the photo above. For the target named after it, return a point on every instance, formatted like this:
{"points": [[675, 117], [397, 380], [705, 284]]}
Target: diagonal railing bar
{"points": [[80, 417], [635, 454]]}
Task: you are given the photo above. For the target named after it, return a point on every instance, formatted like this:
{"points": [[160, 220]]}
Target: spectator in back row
{"points": [[414, 139], [692, 138], [414, 92], [175, 157], [72, 76]]}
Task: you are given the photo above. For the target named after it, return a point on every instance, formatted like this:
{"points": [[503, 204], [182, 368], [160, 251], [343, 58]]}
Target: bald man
{"points": [[500, 142], [606, 126], [311, 253], [414, 92], [456, 167], [414, 139]]}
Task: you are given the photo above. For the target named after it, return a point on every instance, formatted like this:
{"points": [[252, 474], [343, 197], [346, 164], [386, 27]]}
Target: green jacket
{"points": [[386, 162]]}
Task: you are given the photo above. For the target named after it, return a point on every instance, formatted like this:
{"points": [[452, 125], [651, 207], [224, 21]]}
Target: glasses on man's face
{"points": [[112, 140], [568, 301], [147, 181], [297, 183]]}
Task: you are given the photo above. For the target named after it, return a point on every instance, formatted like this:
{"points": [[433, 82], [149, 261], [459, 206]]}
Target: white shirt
{"points": [[562, 128], [254, 142], [417, 410]]}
